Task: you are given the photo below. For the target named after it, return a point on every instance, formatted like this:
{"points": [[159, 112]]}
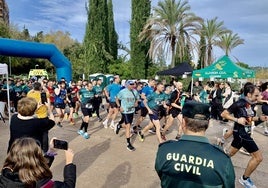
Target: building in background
{"points": [[4, 12]]}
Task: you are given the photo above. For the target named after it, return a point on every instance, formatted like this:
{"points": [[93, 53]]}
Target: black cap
{"points": [[196, 110]]}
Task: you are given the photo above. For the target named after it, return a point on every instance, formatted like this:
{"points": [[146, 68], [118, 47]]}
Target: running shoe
{"points": [[163, 137], [152, 131], [72, 121], [59, 124], [105, 124], [86, 135], [75, 115], [141, 136], [100, 119], [266, 133], [178, 137], [244, 151], [112, 126], [224, 130], [94, 115], [130, 147], [220, 141], [118, 127], [80, 132], [139, 127], [246, 183]]}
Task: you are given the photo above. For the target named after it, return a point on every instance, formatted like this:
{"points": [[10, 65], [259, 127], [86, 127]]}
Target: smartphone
{"points": [[43, 97], [60, 144]]}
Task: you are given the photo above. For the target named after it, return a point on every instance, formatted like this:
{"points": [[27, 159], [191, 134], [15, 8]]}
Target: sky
{"points": [[247, 18]]}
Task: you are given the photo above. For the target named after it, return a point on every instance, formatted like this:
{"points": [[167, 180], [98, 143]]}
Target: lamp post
{"points": [[36, 66]]}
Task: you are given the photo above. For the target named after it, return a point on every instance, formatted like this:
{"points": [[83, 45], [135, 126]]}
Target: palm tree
{"points": [[229, 41], [212, 30], [168, 28]]}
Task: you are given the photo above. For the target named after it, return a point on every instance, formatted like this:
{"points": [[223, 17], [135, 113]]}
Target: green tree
{"points": [[113, 37], [170, 27], [139, 60], [201, 52], [96, 38], [212, 30], [229, 41]]}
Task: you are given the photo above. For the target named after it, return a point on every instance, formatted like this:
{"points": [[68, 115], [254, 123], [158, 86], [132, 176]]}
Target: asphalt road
{"points": [[103, 160]]}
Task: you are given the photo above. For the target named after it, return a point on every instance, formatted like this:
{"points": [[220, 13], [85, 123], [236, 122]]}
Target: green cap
{"points": [[196, 110]]}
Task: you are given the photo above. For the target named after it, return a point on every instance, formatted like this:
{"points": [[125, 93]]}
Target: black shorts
{"points": [[60, 105], [72, 104], [174, 112], [244, 140], [87, 111], [113, 105], [144, 111], [128, 118]]}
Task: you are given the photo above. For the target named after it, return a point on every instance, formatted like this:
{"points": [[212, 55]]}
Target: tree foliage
{"points": [[139, 60]]}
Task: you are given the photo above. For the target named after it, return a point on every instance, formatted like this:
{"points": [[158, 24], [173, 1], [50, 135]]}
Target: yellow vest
{"points": [[40, 112]]}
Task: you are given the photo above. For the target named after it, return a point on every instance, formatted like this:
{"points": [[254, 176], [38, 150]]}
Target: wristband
{"points": [[236, 120]]}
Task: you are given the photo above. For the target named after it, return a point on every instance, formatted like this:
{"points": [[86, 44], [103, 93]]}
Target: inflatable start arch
{"points": [[17, 48]]}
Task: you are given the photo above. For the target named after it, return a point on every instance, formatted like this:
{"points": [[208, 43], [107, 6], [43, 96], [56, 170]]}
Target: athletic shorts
{"points": [[128, 118], [174, 112], [244, 140], [87, 112], [72, 104], [60, 105], [113, 105], [154, 116], [144, 111]]}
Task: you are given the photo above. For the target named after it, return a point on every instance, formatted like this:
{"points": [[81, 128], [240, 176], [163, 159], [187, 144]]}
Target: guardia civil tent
{"points": [[223, 68]]}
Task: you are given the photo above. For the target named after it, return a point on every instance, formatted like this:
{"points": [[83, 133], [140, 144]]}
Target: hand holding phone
{"points": [[60, 144]]}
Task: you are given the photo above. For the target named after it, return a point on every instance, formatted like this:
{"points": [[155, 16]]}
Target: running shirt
{"points": [[86, 96], [113, 89], [147, 90], [98, 90], [72, 93], [59, 99], [242, 108], [155, 100], [128, 99]]}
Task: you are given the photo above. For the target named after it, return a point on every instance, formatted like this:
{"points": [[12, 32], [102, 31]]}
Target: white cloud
{"points": [[246, 17]]}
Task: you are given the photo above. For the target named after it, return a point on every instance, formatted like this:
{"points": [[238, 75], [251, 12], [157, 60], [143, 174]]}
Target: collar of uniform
{"points": [[194, 138]]}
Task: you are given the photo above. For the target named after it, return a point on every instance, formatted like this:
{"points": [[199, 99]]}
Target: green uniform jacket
{"points": [[192, 162]]}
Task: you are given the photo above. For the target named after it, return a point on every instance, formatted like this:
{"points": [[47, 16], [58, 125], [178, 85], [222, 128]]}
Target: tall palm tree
{"points": [[212, 30], [229, 41], [169, 27]]}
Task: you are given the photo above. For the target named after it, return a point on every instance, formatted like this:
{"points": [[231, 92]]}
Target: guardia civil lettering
{"points": [[189, 163]]}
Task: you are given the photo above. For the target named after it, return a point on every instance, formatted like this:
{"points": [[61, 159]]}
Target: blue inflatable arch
{"points": [[17, 48]]}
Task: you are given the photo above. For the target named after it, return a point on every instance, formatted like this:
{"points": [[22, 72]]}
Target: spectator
{"points": [[25, 166], [26, 124]]}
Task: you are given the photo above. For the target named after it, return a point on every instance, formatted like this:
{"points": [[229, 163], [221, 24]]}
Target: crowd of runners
{"points": [[127, 105]]}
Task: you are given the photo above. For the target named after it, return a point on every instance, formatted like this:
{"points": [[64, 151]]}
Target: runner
{"points": [[98, 99], [129, 99], [86, 96], [111, 91], [243, 116]]}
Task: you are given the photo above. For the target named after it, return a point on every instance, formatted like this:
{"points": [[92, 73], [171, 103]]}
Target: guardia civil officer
{"points": [[193, 161]]}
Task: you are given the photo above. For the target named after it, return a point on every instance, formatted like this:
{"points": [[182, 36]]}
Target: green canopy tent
{"points": [[223, 68]]}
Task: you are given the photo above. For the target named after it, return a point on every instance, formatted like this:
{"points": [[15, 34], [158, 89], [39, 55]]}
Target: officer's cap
{"points": [[196, 110]]}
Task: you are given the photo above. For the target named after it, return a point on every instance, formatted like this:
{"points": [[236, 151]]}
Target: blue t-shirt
{"points": [[59, 99], [113, 89], [147, 90], [128, 99]]}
